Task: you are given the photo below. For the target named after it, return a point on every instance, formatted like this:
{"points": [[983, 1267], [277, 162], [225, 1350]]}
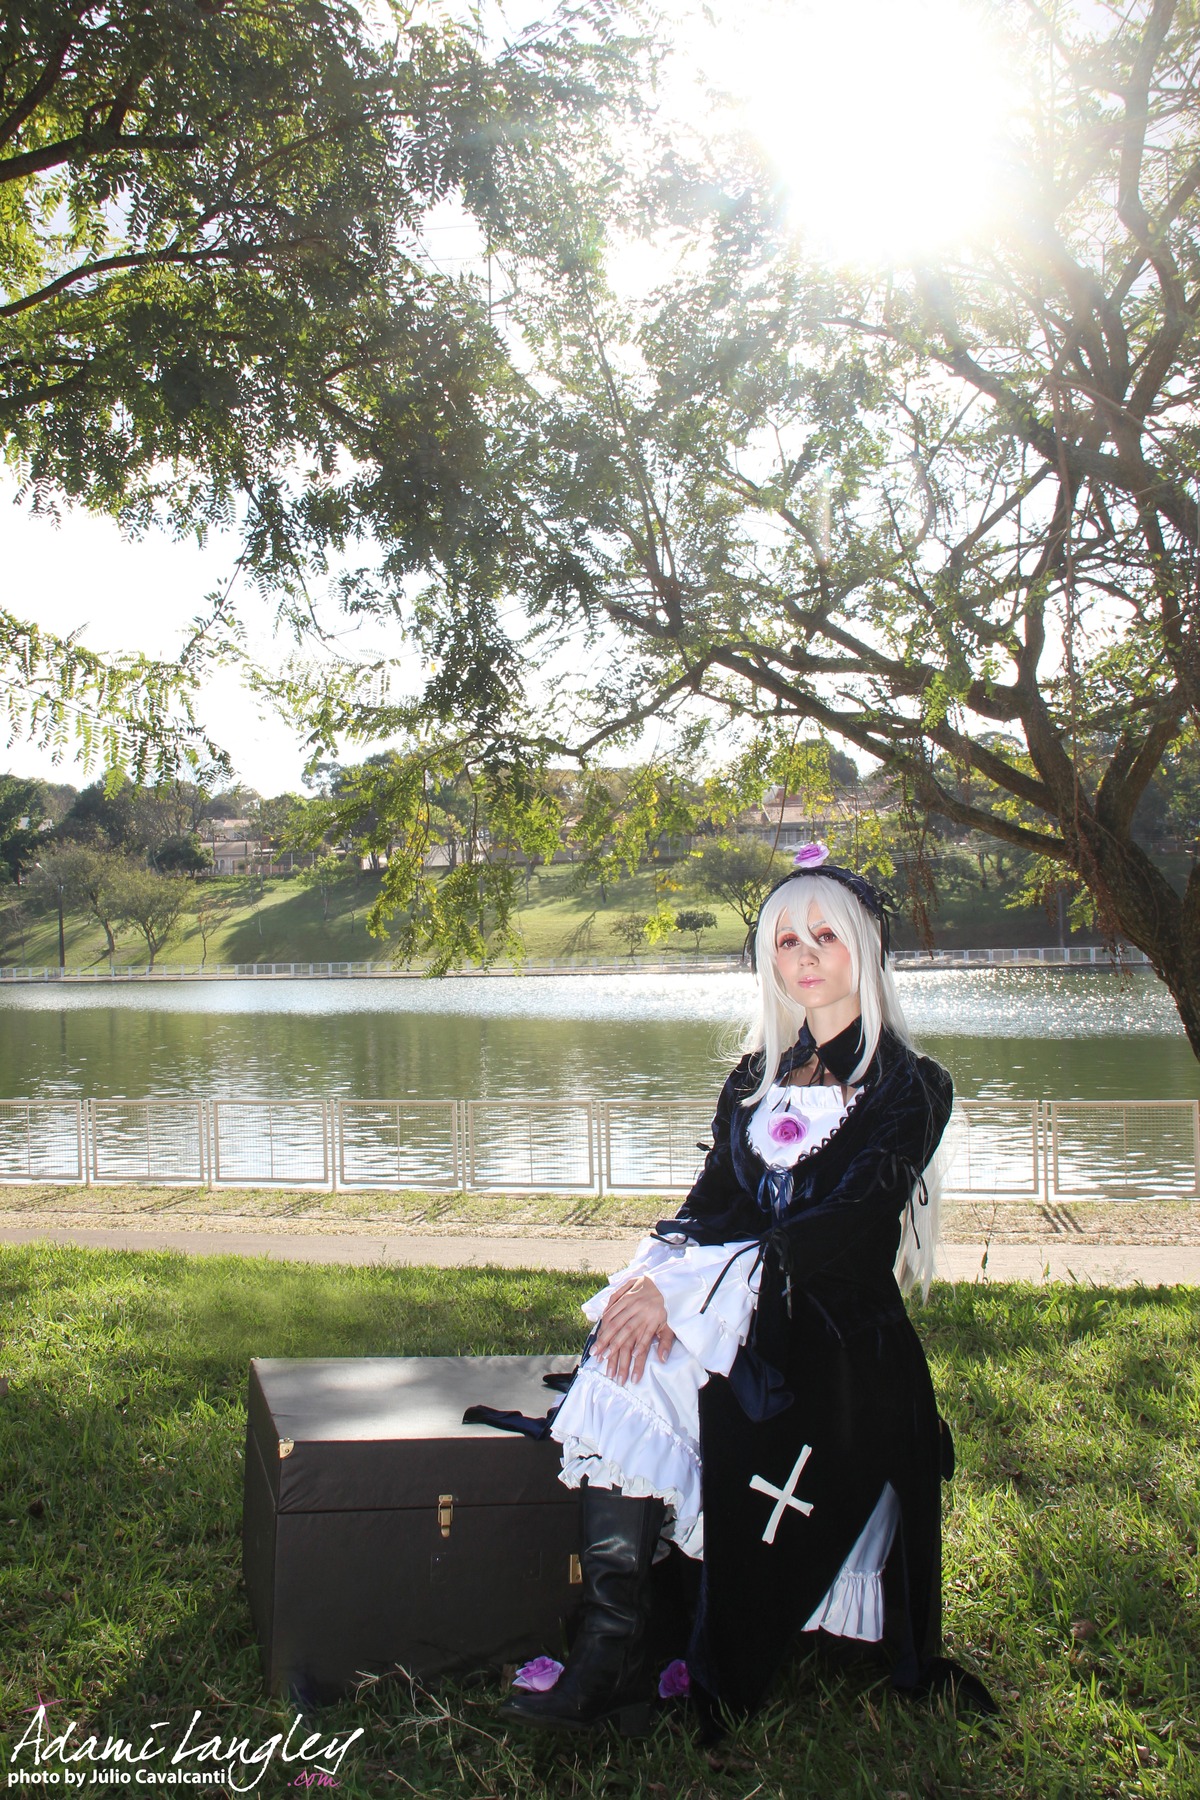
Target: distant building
{"points": [[245, 856], [796, 819]]}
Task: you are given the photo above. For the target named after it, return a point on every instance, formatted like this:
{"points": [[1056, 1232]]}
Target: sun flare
{"points": [[885, 121]]}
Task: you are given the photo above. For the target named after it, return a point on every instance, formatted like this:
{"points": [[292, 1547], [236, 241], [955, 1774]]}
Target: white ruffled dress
{"points": [[644, 1437]]}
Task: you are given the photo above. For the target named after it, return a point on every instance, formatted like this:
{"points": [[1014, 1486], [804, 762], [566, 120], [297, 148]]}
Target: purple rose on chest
{"points": [[787, 1129]]}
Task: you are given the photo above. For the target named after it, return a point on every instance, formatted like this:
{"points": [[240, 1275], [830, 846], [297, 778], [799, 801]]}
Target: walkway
{"points": [[1113, 1265], [1049, 956]]}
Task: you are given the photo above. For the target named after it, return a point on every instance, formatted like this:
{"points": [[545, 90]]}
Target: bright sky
{"points": [[883, 120]]}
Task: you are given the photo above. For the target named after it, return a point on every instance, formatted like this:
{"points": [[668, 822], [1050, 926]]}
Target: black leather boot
{"points": [[606, 1676]]}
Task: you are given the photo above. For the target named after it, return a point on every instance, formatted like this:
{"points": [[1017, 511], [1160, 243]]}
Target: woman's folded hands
{"points": [[634, 1321]]}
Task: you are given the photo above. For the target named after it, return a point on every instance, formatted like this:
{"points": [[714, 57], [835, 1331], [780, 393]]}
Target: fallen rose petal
{"points": [[538, 1676], [674, 1681]]}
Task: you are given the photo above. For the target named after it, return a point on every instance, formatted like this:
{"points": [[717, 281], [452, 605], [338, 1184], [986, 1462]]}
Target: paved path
{"points": [[1119, 1265]]}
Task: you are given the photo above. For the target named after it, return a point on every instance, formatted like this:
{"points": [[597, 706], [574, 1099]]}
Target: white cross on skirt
{"points": [[784, 1496]]}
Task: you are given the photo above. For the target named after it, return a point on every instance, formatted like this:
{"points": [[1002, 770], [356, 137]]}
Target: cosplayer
{"points": [[753, 1390]]}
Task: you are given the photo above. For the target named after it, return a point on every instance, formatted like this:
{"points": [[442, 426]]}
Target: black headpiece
{"points": [[811, 860]]}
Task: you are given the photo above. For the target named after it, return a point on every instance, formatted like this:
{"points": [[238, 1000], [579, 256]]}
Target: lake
{"points": [[1022, 1033]]}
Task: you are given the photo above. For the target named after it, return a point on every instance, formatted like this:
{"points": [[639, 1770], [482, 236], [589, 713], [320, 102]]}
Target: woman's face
{"points": [[817, 979]]}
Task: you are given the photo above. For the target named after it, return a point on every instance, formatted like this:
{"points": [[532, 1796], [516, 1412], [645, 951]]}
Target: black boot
{"points": [[606, 1676]]}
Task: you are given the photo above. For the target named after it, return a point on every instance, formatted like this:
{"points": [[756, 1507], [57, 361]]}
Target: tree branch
{"points": [[86, 145], [1130, 770], [32, 99]]}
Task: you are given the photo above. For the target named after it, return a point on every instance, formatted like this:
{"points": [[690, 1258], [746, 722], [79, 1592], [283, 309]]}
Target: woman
{"points": [[753, 1390]]}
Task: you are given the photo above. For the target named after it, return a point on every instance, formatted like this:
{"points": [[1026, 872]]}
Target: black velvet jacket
{"points": [[832, 1381]]}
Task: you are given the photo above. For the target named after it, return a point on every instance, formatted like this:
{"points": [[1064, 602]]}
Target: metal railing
{"points": [[398, 1143], [1044, 956], [1007, 1149], [45, 1140], [1129, 1141], [995, 1147]]}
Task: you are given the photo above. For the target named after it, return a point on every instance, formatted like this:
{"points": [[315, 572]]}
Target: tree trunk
{"points": [[1153, 916]]}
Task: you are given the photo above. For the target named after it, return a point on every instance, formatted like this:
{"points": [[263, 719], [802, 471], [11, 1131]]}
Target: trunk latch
{"points": [[445, 1513]]}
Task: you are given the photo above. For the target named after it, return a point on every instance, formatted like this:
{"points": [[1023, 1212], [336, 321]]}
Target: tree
{"points": [[327, 875], [910, 511], [21, 830], [630, 930], [152, 904], [278, 823], [212, 907], [696, 922], [215, 304], [77, 876], [55, 885], [182, 855], [103, 815], [737, 871]]}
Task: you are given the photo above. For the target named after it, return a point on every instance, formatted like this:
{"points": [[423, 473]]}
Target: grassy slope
{"points": [[288, 926], [1070, 1543]]}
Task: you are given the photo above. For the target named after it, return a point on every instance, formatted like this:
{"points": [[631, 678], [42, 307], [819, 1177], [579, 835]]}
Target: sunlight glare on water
{"points": [[1059, 1003]]}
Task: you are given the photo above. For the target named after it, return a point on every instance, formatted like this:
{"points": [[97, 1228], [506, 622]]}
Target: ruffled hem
{"points": [[684, 1530], [618, 1441], [853, 1608]]}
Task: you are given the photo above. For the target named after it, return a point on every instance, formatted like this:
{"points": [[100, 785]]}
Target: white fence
{"points": [[1049, 956], [1007, 1149]]}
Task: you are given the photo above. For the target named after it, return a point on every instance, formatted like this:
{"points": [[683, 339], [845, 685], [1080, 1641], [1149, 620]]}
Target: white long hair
{"points": [[780, 1017]]}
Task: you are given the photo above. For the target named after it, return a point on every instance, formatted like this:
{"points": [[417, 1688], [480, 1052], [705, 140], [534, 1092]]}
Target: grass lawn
{"points": [[307, 1211], [1071, 1539], [287, 926], [556, 921]]}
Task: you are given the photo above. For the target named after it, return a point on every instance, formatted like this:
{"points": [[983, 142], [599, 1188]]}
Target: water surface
{"points": [[1024, 1033]]}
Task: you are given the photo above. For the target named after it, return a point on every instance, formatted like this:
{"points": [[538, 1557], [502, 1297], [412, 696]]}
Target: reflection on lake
{"points": [[1027, 1033]]}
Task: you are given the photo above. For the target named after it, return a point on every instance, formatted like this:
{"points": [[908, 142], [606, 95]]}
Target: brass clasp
{"points": [[445, 1513]]}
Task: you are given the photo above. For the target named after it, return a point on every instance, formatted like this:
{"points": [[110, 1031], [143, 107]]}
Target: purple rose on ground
{"points": [[811, 856], [674, 1681], [787, 1130], [538, 1676]]}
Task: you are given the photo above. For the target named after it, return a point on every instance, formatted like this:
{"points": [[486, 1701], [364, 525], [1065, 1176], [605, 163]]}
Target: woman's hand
{"points": [[634, 1320]]}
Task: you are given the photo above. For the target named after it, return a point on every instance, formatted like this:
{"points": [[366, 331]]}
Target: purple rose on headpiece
{"points": [[811, 856], [787, 1129], [674, 1681], [538, 1676]]}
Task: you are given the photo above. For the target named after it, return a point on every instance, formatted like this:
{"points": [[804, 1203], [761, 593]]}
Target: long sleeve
{"points": [[710, 1329]]}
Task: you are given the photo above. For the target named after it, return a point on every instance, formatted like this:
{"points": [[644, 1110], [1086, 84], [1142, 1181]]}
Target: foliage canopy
{"points": [[216, 309], [945, 514]]}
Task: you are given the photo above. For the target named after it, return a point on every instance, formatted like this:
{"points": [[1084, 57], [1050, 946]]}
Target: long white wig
{"points": [[780, 1017]]}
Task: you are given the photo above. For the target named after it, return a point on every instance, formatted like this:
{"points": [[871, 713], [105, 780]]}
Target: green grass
{"points": [[1071, 1536], [287, 926], [407, 1209], [299, 1210]]}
